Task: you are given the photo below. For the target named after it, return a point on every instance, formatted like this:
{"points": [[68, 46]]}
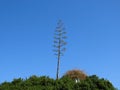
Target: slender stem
{"points": [[58, 62]]}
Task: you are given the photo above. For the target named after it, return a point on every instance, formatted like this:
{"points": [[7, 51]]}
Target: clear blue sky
{"points": [[26, 37]]}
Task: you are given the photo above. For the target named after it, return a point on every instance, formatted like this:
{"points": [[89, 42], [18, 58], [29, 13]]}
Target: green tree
{"points": [[59, 43], [95, 83], [65, 83]]}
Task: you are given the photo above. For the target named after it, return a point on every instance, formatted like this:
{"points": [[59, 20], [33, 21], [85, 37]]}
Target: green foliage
{"points": [[65, 83], [94, 83]]}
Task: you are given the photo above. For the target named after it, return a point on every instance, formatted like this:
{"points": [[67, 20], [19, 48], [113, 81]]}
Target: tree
{"points": [[65, 83], [59, 43], [75, 75]]}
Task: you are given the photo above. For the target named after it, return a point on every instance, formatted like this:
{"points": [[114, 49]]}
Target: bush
{"points": [[65, 83]]}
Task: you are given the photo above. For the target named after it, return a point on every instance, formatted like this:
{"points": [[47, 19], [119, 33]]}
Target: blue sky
{"points": [[26, 37]]}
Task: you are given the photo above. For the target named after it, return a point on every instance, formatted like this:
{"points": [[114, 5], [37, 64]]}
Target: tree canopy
{"points": [[65, 83], [75, 74]]}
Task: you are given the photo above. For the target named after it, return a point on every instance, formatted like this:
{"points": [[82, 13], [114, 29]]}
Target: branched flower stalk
{"points": [[59, 44]]}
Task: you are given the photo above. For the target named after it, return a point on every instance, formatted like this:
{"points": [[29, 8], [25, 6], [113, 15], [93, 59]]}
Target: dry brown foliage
{"points": [[76, 74]]}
